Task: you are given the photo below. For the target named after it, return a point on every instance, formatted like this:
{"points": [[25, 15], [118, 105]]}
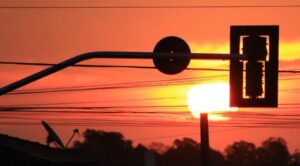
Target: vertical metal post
{"points": [[205, 152]]}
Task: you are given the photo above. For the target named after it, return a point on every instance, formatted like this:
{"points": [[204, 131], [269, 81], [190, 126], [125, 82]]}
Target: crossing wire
{"points": [[153, 6], [239, 125], [140, 84], [124, 66]]}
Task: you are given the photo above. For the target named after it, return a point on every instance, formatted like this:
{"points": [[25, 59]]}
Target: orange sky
{"points": [[52, 35]]}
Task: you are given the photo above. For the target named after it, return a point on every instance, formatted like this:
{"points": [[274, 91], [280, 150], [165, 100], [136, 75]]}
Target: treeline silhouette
{"points": [[111, 148]]}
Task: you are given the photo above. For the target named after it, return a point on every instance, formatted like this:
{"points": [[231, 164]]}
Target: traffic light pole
{"points": [[172, 55], [205, 152], [114, 55]]}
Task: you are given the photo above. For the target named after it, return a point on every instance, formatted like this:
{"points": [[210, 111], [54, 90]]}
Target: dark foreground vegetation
{"points": [[110, 148]]}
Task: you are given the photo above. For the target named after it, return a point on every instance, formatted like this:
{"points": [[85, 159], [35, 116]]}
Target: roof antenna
{"points": [[75, 131]]}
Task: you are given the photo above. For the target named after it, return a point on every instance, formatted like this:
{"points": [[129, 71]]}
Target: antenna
{"points": [[52, 137], [75, 131]]}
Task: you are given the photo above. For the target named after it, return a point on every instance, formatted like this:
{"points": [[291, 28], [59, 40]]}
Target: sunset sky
{"points": [[144, 104]]}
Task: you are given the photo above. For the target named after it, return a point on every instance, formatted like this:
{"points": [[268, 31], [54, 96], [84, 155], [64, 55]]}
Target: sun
{"points": [[209, 98]]}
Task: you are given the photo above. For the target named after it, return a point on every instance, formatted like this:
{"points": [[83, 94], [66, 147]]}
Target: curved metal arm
{"points": [[91, 55], [70, 62]]}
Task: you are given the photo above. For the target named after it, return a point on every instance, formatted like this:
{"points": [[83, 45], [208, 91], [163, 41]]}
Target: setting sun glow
{"points": [[209, 98]]}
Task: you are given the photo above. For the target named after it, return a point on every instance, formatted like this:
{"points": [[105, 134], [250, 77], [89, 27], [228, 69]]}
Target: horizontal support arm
{"points": [[125, 55]]}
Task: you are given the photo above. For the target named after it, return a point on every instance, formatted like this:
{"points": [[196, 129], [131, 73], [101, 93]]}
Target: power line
{"points": [[138, 84], [76, 65], [93, 107], [100, 66], [152, 7], [125, 66], [93, 102], [119, 108], [145, 84], [238, 120], [121, 100], [165, 125]]}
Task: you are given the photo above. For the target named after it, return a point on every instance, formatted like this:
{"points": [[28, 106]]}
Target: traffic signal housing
{"points": [[254, 80]]}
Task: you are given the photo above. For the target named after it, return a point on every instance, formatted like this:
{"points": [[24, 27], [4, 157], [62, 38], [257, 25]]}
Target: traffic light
{"points": [[254, 80]]}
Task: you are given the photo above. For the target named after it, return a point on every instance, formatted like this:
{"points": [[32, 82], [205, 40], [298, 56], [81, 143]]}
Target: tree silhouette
{"points": [[273, 152], [187, 152], [182, 152], [158, 147], [109, 148], [241, 153], [217, 158], [295, 159]]}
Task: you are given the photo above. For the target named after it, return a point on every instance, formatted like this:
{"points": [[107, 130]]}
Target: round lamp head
{"points": [[171, 64]]}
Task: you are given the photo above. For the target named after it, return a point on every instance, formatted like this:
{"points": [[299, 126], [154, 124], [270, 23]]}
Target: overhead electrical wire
{"points": [[241, 118], [124, 109], [238, 120], [138, 84], [98, 102], [152, 6], [252, 120], [101, 66], [124, 66], [289, 124], [128, 85], [274, 125]]}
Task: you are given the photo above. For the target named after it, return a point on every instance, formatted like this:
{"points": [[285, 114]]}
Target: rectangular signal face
{"points": [[254, 81]]}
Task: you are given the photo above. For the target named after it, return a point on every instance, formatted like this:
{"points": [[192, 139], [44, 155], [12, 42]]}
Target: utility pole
{"points": [[205, 152]]}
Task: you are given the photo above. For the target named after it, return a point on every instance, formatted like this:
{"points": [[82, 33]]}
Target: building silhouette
{"points": [[15, 151]]}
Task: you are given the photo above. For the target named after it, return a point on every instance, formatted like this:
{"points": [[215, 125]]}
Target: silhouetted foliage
{"points": [[217, 158], [241, 153], [295, 159], [273, 152], [183, 152], [111, 149], [187, 152], [158, 147]]}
